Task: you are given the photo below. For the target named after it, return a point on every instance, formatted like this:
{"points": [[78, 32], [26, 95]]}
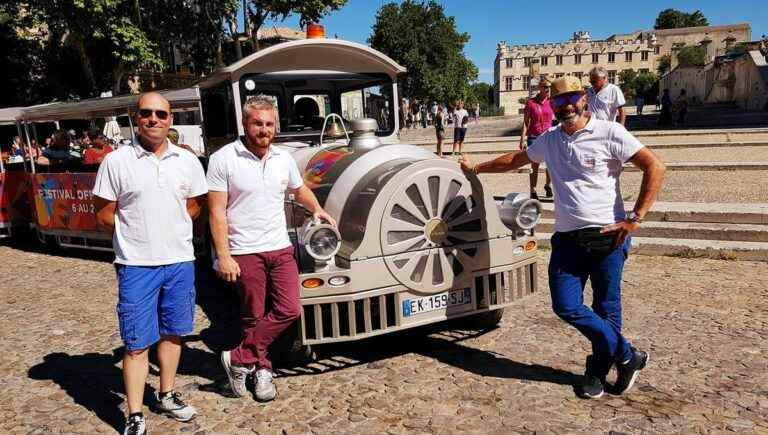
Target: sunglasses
{"points": [[565, 99], [160, 114]]}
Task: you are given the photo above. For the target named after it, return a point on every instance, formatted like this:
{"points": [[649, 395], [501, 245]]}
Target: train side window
{"points": [[370, 102], [220, 122]]}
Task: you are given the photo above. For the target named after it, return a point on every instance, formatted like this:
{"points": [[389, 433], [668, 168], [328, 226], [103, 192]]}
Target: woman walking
{"points": [[537, 119]]}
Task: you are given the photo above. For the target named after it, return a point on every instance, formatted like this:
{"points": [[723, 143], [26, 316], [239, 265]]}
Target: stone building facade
{"points": [[518, 67]]}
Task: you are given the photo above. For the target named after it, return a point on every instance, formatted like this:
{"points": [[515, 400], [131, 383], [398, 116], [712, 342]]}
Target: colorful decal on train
{"points": [[65, 202], [15, 206], [319, 166]]}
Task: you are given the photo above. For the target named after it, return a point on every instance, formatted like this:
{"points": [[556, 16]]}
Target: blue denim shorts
{"points": [[155, 301]]}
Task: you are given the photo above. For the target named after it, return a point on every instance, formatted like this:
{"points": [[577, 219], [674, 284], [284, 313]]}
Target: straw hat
{"points": [[566, 84]]}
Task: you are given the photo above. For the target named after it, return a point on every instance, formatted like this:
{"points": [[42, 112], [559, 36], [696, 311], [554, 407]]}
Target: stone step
{"points": [[690, 248], [756, 214], [689, 230]]}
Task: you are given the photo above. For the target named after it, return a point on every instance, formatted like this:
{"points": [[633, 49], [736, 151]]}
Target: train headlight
{"points": [[520, 211], [322, 241]]}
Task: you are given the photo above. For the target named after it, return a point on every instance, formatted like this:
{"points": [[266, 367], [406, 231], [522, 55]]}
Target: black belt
{"points": [[591, 239]]}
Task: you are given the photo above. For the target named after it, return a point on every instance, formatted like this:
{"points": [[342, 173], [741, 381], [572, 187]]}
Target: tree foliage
{"points": [[259, 11], [674, 19], [634, 83], [692, 55], [422, 38], [665, 63]]}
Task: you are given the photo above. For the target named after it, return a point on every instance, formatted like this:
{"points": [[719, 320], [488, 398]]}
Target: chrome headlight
{"points": [[322, 241], [519, 211]]}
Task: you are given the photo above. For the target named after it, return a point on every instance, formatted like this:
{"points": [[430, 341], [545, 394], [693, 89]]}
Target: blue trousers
{"points": [[569, 268]]}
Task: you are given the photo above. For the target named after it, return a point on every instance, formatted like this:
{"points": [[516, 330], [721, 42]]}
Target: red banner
{"points": [[14, 199], [65, 202]]}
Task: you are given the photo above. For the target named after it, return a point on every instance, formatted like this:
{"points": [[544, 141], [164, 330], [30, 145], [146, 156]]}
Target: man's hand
{"points": [[466, 164], [322, 215], [228, 269], [623, 228], [522, 144]]}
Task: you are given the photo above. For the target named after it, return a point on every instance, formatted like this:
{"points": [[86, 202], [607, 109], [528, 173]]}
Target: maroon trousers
{"points": [[269, 275]]}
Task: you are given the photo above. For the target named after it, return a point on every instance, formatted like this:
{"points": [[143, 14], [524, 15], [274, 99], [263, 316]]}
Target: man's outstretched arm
{"points": [[507, 162]]}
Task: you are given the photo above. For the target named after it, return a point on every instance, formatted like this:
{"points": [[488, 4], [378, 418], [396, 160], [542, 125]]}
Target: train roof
{"points": [[9, 115], [102, 107], [309, 54]]}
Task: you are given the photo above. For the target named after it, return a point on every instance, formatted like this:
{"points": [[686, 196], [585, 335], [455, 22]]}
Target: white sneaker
{"points": [[237, 375], [265, 387], [135, 425], [174, 407]]}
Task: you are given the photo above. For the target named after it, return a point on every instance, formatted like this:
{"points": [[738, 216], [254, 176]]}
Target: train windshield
{"points": [[304, 98]]}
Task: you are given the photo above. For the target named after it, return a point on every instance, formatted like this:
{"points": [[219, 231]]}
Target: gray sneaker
{"points": [[265, 387], [172, 406], [237, 374], [135, 425]]}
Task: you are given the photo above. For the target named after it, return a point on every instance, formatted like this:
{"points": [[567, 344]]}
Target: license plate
{"points": [[435, 302]]}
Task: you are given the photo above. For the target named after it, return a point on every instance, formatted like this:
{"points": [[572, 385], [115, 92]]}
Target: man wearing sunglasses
{"points": [[585, 157], [147, 195], [606, 100]]}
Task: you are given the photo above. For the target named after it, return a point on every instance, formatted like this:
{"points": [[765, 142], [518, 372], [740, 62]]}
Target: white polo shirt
{"points": [[605, 104], [256, 195], [585, 169], [152, 226]]}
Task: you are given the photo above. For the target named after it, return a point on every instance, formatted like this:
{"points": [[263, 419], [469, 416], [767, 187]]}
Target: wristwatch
{"points": [[634, 217]]}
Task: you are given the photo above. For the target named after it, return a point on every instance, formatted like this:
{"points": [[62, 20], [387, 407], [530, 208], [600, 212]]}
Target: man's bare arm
{"points": [[105, 213], [622, 115], [507, 162], [653, 174], [228, 269], [304, 196], [194, 206]]}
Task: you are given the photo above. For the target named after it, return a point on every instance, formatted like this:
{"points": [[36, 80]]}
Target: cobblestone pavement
{"points": [[703, 321]]}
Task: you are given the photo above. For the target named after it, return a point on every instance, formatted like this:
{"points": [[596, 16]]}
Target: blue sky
{"points": [[519, 22]]}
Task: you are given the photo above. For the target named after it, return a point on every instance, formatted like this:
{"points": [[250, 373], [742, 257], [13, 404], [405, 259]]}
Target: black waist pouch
{"points": [[593, 241]]}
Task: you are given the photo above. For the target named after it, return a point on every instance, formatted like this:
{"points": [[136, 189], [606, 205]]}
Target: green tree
{"points": [[634, 83], [693, 55], [674, 19], [627, 79], [665, 63], [422, 38], [481, 92], [259, 11]]}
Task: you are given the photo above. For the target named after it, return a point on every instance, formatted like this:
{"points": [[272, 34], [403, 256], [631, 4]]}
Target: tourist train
{"points": [[418, 240]]}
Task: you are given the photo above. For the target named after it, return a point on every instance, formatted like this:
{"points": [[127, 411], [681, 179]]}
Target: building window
{"points": [[559, 59], [611, 57], [509, 62], [595, 57], [526, 61], [544, 61], [612, 77], [526, 83], [657, 50], [644, 55], [508, 80], [558, 75], [577, 59], [643, 70], [628, 56]]}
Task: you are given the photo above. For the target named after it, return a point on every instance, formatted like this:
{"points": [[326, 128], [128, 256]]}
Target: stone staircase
{"points": [[696, 230]]}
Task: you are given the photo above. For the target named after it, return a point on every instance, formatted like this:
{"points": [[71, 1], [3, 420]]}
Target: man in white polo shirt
{"points": [[247, 182], [147, 194], [605, 100], [585, 157]]}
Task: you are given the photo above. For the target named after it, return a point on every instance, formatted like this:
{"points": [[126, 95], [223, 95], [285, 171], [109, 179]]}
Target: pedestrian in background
{"points": [[681, 108], [605, 99], [537, 119], [460, 121], [439, 129], [476, 112], [592, 232], [665, 117], [639, 102], [147, 195]]}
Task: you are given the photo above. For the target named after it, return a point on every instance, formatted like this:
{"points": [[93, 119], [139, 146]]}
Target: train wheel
{"points": [[288, 351]]}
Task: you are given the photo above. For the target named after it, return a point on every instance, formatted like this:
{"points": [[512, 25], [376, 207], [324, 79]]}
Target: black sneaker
{"points": [[628, 372], [534, 195], [135, 425], [547, 191], [591, 387]]}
